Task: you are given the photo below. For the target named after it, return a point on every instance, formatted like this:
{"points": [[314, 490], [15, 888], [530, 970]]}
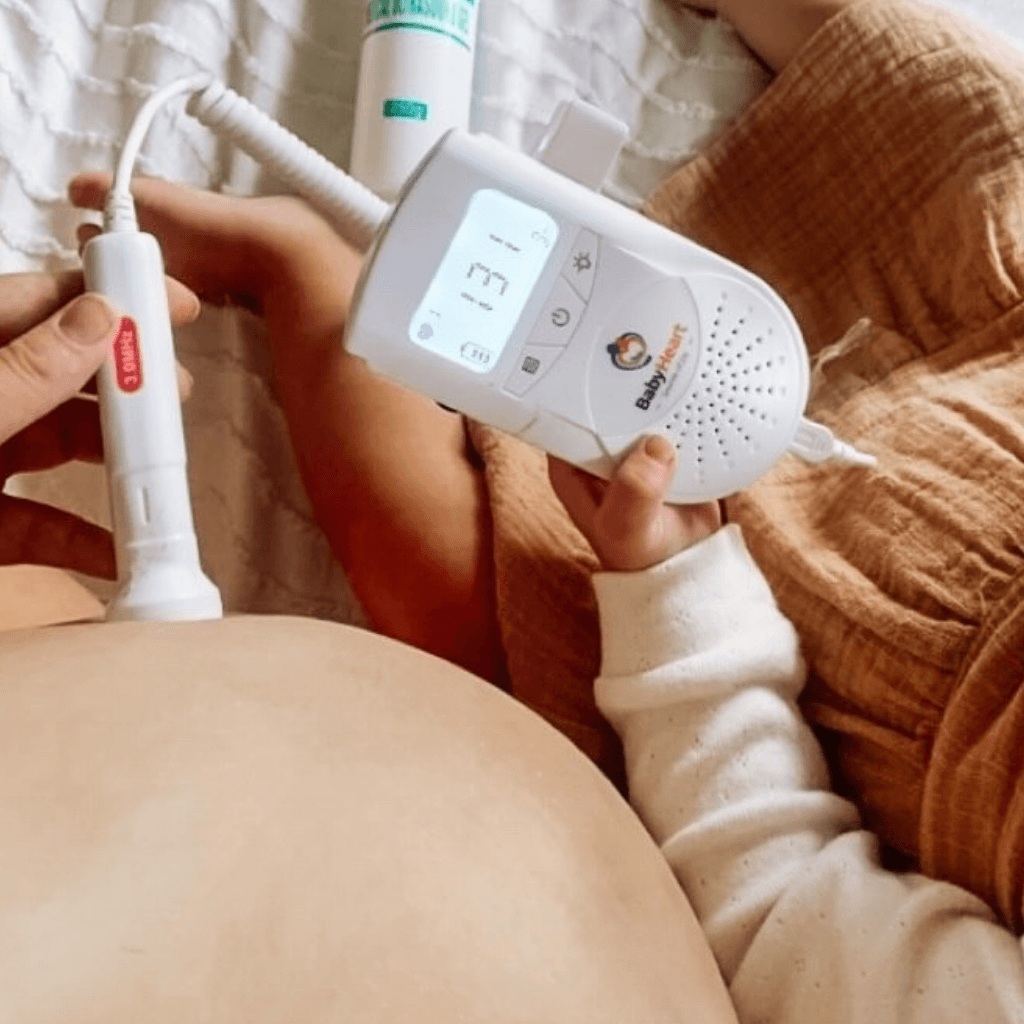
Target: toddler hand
{"points": [[626, 519]]}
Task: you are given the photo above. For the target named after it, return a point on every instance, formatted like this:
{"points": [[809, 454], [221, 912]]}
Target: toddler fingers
{"points": [[622, 518], [636, 493]]}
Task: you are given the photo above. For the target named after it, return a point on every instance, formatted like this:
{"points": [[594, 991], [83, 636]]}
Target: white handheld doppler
{"points": [[511, 293], [506, 288]]}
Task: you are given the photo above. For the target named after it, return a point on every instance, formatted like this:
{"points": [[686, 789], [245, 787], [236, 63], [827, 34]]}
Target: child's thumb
{"points": [[633, 501]]}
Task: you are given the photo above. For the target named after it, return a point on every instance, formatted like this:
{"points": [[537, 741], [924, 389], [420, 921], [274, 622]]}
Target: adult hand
{"points": [[273, 255], [52, 341], [626, 520]]}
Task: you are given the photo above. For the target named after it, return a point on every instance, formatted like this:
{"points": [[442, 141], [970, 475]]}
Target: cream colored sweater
{"points": [[700, 674]]}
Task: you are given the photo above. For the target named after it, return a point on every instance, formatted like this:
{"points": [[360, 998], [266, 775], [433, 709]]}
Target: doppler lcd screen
{"points": [[480, 288]]}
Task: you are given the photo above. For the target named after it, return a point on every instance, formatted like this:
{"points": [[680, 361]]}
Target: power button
{"points": [[560, 316]]}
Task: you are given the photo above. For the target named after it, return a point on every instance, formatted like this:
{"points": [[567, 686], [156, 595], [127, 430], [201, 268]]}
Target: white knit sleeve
{"points": [[700, 675]]}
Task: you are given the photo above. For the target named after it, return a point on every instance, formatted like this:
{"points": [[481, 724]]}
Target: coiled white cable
{"points": [[357, 212]]}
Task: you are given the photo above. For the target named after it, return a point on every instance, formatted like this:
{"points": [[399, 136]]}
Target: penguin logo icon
{"points": [[629, 351]]}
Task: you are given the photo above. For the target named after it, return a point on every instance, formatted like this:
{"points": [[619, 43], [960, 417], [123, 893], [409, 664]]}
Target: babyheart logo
{"points": [[629, 351]]}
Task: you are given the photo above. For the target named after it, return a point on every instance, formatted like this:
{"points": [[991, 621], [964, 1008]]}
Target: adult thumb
{"points": [[49, 364]]}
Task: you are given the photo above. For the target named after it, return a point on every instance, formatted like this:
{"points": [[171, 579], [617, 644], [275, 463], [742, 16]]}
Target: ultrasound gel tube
{"points": [[415, 83]]}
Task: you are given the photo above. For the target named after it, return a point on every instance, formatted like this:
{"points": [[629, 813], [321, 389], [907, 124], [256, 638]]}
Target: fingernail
{"points": [[87, 320], [660, 449]]}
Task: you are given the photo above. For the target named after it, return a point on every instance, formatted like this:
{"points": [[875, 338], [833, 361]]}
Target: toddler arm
{"points": [[700, 677]]}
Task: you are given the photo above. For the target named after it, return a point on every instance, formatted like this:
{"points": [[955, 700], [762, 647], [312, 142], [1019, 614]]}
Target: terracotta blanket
{"points": [[878, 184]]}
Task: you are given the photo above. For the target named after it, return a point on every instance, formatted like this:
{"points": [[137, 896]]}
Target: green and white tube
{"points": [[415, 83]]}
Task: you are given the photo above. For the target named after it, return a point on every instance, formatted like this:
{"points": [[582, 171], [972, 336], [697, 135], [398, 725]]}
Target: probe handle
{"points": [[158, 565]]}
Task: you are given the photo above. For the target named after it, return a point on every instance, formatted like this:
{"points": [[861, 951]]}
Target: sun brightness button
{"points": [[581, 266]]}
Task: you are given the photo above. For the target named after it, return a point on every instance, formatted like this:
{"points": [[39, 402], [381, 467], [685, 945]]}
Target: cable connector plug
{"points": [[816, 443], [119, 212]]}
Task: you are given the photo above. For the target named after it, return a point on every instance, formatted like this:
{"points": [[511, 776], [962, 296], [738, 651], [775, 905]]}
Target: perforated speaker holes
{"points": [[732, 402]]}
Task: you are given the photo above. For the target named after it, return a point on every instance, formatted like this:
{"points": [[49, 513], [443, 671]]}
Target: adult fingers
{"points": [[68, 433], [25, 299], [183, 303], [48, 364], [204, 235], [42, 535]]}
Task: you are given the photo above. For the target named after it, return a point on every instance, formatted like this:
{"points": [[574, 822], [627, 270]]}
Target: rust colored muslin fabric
{"points": [[878, 184]]}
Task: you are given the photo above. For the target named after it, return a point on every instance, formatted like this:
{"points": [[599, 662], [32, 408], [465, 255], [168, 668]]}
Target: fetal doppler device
{"points": [[503, 286]]}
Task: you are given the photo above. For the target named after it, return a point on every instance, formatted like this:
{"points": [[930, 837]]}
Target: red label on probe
{"points": [[127, 357]]}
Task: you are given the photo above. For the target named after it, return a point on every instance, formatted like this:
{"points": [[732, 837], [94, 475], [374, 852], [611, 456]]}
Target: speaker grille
{"points": [[738, 413]]}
